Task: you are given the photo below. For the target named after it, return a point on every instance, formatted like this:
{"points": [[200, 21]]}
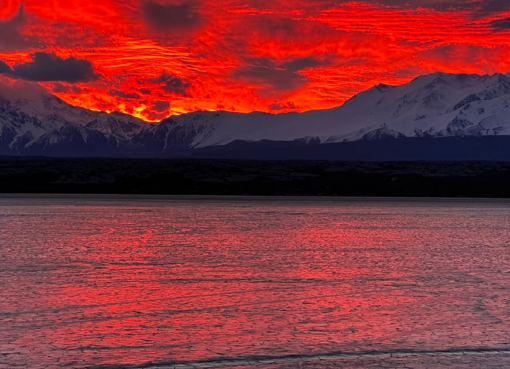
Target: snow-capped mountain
{"points": [[433, 106], [43, 124], [436, 105], [48, 107]]}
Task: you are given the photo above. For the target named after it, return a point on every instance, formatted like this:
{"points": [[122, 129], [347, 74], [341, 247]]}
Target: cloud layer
{"points": [[157, 57], [46, 67], [172, 17]]}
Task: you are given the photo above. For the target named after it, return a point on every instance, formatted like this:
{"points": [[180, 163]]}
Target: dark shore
{"points": [[268, 178]]}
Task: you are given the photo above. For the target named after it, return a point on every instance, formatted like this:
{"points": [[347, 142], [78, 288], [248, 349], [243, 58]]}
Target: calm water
{"points": [[92, 280]]}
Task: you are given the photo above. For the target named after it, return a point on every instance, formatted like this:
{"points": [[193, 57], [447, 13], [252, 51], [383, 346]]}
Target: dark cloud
{"points": [[18, 89], [124, 95], [282, 106], [154, 115], [436, 4], [494, 5], [173, 84], [172, 17], [11, 33], [291, 33], [4, 68], [161, 105], [501, 24], [479, 8], [62, 88], [483, 5], [281, 76], [302, 63], [15, 32], [48, 67]]}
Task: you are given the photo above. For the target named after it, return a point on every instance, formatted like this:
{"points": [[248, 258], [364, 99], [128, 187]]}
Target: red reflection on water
{"points": [[151, 281]]}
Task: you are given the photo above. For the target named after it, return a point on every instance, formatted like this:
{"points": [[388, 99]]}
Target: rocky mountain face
{"points": [[432, 106]]}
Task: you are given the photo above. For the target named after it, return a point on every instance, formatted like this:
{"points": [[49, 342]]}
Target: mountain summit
{"points": [[35, 122], [432, 106]]}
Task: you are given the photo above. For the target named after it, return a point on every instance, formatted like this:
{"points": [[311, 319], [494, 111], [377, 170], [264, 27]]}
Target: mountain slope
{"points": [[432, 106], [42, 124], [436, 105]]}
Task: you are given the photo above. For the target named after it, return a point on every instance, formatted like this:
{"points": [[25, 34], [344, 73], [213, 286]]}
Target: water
{"points": [[94, 280]]}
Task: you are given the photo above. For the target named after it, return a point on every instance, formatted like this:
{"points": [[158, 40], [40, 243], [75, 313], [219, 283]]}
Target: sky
{"points": [[156, 58]]}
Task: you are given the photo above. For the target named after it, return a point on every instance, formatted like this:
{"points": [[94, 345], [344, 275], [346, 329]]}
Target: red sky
{"points": [[159, 57]]}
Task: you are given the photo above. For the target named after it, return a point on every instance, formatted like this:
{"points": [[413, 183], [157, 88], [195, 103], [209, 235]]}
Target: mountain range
{"points": [[440, 116]]}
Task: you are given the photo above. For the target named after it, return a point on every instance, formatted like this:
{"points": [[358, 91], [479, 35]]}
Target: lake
{"points": [[88, 281]]}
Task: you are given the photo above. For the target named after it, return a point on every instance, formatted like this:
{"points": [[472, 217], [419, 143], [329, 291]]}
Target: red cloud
{"points": [[158, 57]]}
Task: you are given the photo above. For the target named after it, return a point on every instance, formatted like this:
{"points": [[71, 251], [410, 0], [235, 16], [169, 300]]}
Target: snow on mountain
{"points": [[436, 105], [118, 125], [31, 117]]}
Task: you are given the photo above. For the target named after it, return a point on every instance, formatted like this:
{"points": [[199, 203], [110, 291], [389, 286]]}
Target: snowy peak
{"points": [[35, 122], [118, 125], [32, 100], [433, 106], [383, 133], [112, 126]]}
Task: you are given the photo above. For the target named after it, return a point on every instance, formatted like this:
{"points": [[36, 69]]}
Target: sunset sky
{"points": [[160, 57]]}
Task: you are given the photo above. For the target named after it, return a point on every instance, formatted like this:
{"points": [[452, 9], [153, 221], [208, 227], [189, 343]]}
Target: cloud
{"points": [[281, 76], [482, 5], [124, 95], [11, 33], [161, 106], [62, 88], [471, 58], [302, 63], [48, 67], [282, 106], [173, 84], [501, 24], [172, 17], [4, 68], [478, 8], [155, 116], [145, 91], [13, 89], [282, 35]]}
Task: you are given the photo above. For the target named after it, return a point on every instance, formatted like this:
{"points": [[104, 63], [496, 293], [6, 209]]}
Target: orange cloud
{"points": [[153, 58]]}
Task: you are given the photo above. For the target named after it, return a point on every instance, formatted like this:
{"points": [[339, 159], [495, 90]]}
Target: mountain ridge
{"points": [[437, 105]]}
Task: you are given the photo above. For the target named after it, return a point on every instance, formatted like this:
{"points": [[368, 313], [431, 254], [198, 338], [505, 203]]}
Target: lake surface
{"points": [[94, 280]]}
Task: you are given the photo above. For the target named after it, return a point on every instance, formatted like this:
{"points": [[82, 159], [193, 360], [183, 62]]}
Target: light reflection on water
{"points": [[89, 280]]}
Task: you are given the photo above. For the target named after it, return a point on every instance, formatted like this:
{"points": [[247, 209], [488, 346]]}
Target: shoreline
{"points": [[320, 179]]}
